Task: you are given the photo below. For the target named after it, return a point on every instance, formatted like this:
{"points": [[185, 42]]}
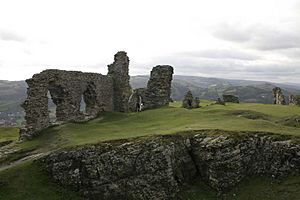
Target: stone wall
{"points": [[230, 98], [189, 101], [294, 100], [119, 71], [67, 88], [156, 167], [278, 96], [158, 91]]}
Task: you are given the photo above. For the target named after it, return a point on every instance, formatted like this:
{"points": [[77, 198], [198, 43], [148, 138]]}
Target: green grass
{"points": [[167, 120], [7, 134], [252, 188], [28, 182]]}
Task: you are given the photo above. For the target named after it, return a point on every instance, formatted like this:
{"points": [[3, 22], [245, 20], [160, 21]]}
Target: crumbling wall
{"points": [[278, 96], [294, 100], [159, 87], [230, 98], [189, 101], [136, 100], [119, 71], [158, 91], [67, 89]]}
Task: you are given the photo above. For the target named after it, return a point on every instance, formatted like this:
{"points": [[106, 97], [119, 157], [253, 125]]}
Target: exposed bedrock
{"points": [[156, 167]]}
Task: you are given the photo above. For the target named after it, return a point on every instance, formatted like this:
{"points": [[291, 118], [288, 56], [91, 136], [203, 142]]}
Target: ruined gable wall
{"points": [[67, 89]]}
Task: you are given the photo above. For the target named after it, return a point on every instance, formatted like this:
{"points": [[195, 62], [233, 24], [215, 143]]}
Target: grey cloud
{"points": [[259, 37], [232, 33], [10, 36], [222, 54], [227, 68], [293, 53]]}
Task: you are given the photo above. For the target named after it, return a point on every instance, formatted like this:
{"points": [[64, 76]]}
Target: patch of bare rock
{"points": [[155, 167]]}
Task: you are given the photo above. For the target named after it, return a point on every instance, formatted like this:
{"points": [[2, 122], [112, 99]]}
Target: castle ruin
{"points": [[100, 93], [278, 96], [158, 90]]}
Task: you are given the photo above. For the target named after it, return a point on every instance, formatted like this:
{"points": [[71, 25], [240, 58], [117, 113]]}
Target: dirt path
{"points": [[20, 161]]}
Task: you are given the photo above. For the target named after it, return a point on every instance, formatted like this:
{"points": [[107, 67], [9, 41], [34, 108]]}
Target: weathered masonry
{"points": [[158, 90], [100, 93]]}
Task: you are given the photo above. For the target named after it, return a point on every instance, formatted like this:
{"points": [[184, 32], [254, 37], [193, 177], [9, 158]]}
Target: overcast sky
{"points": [[244, 39]]}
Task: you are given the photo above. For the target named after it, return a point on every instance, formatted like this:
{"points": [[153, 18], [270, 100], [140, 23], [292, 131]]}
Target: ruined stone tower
{"points": [[99, 93], [159, 86], [158, 90], [119, 72], [278, 96]]}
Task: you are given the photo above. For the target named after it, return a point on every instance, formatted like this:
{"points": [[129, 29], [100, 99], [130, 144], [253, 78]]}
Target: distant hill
{"points": [[212, 88], [13, 93]]}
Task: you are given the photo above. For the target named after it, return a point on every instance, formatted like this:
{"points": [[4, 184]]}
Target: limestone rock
{"points": [[189, 101], [156, 167], [278, 96], [230, 98]]}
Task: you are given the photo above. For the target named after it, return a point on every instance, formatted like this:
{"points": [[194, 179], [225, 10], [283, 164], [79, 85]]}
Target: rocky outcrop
{"points": [[278, 96], [189, 101], [230, 98], [119, 71], [156, 167], [294, 100]]}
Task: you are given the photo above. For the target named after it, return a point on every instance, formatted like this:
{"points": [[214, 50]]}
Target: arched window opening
{"points": [[51, 108]]}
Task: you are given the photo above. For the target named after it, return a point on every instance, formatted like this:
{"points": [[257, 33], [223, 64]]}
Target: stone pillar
{"points": [[278, 96], [189, 101], [159, 87], [119, 71], [230, 98], [36, 108]]}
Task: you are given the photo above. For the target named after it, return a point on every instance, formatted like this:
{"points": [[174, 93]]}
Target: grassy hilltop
{"points": [[31, 183]]}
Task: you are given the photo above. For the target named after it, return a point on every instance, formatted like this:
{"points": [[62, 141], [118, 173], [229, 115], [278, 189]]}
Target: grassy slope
{"points": [[159, 121], [28, 182], [7, 134], [253, 188]]}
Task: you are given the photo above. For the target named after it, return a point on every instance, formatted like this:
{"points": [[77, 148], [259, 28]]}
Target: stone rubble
{"points": [[190, 102], [230, 98]]}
